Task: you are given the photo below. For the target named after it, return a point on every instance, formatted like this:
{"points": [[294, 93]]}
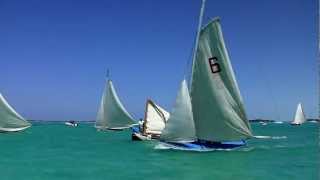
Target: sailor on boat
{"points": [[153, 123]]}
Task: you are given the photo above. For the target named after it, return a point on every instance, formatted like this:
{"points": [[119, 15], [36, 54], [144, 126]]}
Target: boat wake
{"points": [[270, 137]]}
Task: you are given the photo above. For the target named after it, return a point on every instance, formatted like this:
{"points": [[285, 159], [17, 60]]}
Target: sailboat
{"points": [[219, 117], [155, 119], [10, 120], [299, 117], [112, 115]]}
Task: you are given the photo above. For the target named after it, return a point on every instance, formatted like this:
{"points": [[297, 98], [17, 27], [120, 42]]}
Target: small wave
{"points": [[161, 146], [271, 137], [245, 149], [271, 147], [279, 137]]}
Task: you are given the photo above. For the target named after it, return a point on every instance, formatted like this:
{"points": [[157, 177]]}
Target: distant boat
{"points": [[71, 123], [299, 117], [10, 120], [278, 122], [219, 116], [313, 120], [112, 115], [155, 119], [263, 123]]}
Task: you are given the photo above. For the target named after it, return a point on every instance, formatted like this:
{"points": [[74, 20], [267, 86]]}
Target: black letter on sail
{"points": [[214, 65]]}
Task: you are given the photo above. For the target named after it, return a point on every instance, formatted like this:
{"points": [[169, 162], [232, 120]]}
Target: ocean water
{"points": [[56, 151]]}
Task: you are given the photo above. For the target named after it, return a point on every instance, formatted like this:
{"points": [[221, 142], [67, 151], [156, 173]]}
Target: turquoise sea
{"points": [[55, 151]]}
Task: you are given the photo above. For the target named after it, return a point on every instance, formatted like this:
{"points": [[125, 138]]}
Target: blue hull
{"points": [[203, 145]]}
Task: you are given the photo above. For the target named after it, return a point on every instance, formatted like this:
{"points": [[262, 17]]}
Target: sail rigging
{"points": [[112, 114], [10, 120]]}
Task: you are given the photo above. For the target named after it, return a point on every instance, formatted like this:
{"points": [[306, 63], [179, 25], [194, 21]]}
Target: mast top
{"points": [[108, 74]]}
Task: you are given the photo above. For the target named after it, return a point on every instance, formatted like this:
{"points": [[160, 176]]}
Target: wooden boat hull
{"points": [[136, 135], [139, 137]]}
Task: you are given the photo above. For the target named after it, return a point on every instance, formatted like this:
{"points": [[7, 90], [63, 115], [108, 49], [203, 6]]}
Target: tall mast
{"points": [[318, 19], [318, 24], [198, 35]]}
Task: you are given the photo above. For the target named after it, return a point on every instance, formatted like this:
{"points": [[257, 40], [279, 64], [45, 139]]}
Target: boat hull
{"points": [[71, 124], [138, 136], [295, 124], [203, 145], [4, 130], [99, 128], [116, 129]]}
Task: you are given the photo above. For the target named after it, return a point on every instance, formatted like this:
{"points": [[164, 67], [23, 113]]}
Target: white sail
{"points": [[299, 117], [155, 118], [112, 114], [180, 126], [217, 106], [10, 120]]}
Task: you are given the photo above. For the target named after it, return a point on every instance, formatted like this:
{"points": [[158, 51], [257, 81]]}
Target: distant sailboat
{"points": [[218, 113], [299, 117], [10, 120], [155, 119], [263, 123], [112, 115]]}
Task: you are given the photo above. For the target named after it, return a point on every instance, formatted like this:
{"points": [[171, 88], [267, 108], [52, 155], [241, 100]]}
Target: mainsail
{"points": [[10, 120], [299, 117], [112, 114], [180, 126], [217, 106], [155, 118]]}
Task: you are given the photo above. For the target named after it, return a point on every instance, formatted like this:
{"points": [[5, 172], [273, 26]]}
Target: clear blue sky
{"points": [[54, 54]]}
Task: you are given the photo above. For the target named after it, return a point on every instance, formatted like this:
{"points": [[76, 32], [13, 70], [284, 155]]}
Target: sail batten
{"points": [[10, 120], [112, 113], [217, 106], [180, 126]]}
